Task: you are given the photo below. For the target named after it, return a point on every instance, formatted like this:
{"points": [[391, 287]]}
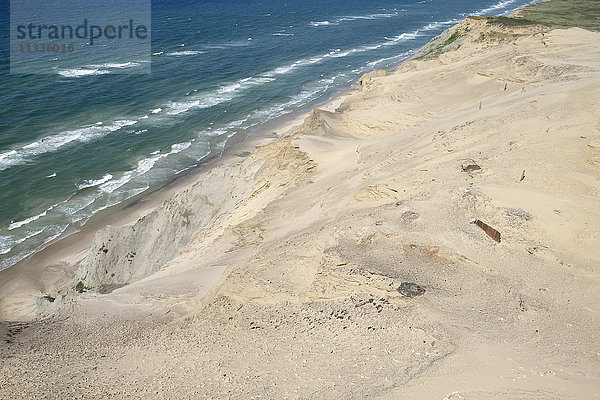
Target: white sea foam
{"points": [[374, 16], [8, 243], [403, 37], [30, 235], [320, 23], [237, 123], [96, 69], [81, 72], [185, 53], [56, 235], [338, 53], [306, 95], [114, 65], [97, 182], [179, 147], [299, 63], [282, 34], [112, 185], [19, 224], [217, 96], [55, 142], [7, 155], [368, 16], [146, 164], [513, 9], [213, 132], [439, 24], [498, 6], [229, 44], [142, 167], [179, 107], [72, 208], [181, 170]]}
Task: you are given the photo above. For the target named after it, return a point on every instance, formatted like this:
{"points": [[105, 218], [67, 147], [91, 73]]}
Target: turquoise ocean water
{"points": [[90, 135]]}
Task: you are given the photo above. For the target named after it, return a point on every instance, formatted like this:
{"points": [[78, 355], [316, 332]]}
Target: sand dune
{"points": [[277, 274]]}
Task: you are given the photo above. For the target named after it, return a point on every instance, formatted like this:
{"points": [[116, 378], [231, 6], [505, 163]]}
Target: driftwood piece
{"points": [[491, 232], [362, 303], [470, 167]]}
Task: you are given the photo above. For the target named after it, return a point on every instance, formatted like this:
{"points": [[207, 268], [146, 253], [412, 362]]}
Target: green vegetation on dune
{"points": [[563, 14], [438, 45], [551, 14], [505, 21], [554, 14], [452, 38]]}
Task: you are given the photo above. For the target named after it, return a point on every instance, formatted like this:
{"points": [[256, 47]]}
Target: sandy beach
{"points": [[338, 258]]}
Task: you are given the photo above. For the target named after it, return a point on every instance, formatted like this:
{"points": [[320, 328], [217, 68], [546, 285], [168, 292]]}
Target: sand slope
{"points": [[309, 237]]}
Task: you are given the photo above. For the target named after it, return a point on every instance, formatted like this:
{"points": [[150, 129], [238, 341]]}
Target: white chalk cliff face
{"points": [[352, 270]]}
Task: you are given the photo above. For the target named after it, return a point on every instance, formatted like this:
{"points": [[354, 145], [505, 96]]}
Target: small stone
{"points": [[409, 289]]}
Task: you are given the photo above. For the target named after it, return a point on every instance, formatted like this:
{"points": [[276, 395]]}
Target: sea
{"points": [[87, 136]]}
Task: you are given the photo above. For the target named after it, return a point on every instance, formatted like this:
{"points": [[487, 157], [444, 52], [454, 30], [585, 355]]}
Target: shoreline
{"points": [[31, 276], [70, 246], [118, 208], [136, 205]]}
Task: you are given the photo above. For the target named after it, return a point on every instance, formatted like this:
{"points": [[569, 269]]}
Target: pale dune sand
{"points": [[275, 275]]}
